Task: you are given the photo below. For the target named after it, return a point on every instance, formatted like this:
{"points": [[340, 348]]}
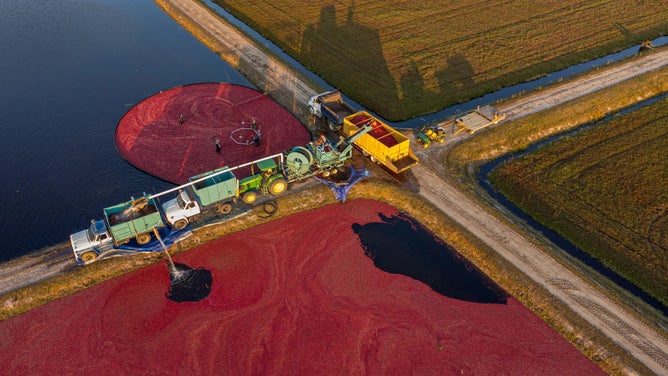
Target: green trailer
{"points": [[133, 219], [216, 188]]}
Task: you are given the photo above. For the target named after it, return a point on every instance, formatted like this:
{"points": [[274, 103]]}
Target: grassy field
{"points": [[605, 190], [404, 58]]}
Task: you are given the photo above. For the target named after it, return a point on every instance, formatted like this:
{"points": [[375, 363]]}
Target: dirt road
{"points": [[617, 322], [281, 82], [604, 77]]}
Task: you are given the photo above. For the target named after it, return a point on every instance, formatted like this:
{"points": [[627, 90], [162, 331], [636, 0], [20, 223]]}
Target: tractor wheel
{"points": [[325, 173], [334, 171], [249, 197], [224, 208], [441, 140], [425, 145], [181, 224], [278, 186], [88, 256], [143, 238]]}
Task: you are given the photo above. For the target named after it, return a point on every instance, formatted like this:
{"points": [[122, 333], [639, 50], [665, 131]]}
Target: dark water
{"points": [[400, 245], [69, 70], [188, 284], [562, 243]]}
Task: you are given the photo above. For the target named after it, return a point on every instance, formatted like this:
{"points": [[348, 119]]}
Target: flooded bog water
{"points": [[401, 245]]}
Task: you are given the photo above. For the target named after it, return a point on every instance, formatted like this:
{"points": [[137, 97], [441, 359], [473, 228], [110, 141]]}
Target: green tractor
{"points": [[430, 134], [268, 181]]}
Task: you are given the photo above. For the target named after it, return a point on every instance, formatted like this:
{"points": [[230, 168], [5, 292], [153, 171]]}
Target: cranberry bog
{"points": [[280, 306], [604, 190], [191, 129], [405, 58]]}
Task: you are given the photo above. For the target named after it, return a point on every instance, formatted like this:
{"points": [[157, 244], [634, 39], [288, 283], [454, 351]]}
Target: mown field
{"points": [[404, 58], [605, 190]]}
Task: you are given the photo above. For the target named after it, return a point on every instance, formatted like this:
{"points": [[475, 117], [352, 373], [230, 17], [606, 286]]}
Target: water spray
{"points": [[186, 283]]}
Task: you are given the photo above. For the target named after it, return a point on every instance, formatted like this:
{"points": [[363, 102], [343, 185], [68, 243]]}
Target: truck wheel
{"points": [[373, 159], [278, 186], [311, 110], [365, 153], [143, 238], [88, 256], [224, 208], [180, 224], [249, 197]]}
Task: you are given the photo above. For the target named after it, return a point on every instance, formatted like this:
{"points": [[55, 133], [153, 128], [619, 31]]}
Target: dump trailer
{"points": [[214, 190], [331, 106], [134, 219], [382, 144]]}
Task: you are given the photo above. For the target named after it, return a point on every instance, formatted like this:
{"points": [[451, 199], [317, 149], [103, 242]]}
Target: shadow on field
{"points": [[361, 56], [341, 48]]}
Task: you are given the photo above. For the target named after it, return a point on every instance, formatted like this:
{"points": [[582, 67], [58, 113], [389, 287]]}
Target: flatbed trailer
{"points": [[480, 118]]}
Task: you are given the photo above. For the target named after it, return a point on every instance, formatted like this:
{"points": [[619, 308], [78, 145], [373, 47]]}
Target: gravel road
{"points": [[618, 322]]}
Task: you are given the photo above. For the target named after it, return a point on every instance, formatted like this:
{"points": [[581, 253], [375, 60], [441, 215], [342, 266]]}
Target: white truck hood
{"points": [[80, 241], [172, 210]]}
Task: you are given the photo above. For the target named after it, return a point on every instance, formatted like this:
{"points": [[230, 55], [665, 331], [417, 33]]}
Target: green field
{"points": [[404, 58], [605, 189]]}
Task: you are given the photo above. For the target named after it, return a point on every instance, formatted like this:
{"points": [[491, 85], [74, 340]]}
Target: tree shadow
{"points": [[457, 77], [343, 49]]}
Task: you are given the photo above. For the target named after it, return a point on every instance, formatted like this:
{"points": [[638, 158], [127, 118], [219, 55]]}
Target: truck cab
{"points": [[330, 106], [179, 209], [88, 244], [315, 106]]}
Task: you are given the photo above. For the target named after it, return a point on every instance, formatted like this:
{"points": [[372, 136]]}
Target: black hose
{"points": [[270, 208]]}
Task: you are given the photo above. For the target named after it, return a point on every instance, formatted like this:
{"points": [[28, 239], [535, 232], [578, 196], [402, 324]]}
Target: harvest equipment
{"points": [[331, 106], [430, 134], [135, 219], [382, 144]]}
